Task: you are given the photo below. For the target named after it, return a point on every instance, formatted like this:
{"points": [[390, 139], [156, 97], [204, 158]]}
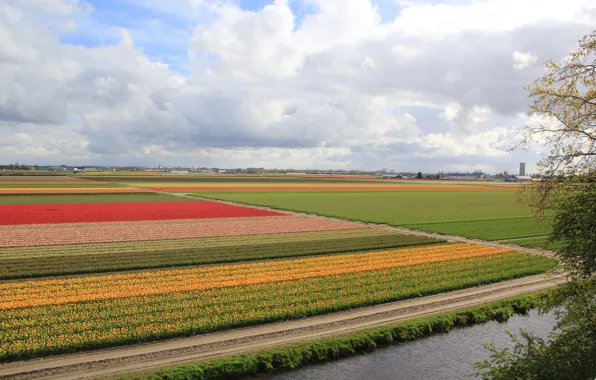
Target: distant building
{"points": [[522, 169], [202, 171], [476, 174]]}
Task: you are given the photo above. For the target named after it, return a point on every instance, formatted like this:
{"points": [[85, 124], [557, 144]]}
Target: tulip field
{"points": [[83, 271], [23, 185], [116, 212]]}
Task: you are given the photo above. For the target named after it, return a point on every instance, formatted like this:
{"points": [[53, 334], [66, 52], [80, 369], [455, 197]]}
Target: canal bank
{"points": [[333, 348]]}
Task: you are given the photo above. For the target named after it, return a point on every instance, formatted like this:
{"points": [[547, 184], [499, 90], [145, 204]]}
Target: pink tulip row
{"points": [[37, 235]]}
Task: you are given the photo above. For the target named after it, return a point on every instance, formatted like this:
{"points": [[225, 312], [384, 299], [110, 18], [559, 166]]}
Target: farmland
{"points": [[113, 212], [22, 262], [484, 213], [50, 199], [539, 242], [66, 324], [60, 185], [85, 271]]}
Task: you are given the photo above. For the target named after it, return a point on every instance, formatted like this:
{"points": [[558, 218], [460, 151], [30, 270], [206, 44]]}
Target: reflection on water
{"points": [[445, 356]]}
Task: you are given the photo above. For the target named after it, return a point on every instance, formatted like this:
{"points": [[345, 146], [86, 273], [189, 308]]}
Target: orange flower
{"points": [[66, 290]]}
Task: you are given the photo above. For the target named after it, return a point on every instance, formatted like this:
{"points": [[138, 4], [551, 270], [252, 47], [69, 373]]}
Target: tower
{"points": [[522, 169]]}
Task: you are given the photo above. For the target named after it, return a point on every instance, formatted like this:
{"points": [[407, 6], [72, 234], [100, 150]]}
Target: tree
{"points": [[565, 100], [419, 175], [575, 224], [570, 352]]}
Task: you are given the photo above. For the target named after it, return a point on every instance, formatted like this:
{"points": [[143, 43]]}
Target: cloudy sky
{"points": [[346, 84]]}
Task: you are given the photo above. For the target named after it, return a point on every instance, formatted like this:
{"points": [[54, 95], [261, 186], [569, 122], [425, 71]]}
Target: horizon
{"points": [[272, 169]]}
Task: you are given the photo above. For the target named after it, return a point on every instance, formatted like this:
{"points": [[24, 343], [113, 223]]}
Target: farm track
{"points": [[118, 361], [112, 362]]}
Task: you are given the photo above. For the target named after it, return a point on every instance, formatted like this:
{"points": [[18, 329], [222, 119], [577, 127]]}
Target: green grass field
{"points": [[392, 207], [496, 229], [538, 242], [486, 214]]}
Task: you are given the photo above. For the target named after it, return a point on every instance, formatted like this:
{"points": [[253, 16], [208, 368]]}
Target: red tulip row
{"points": [[118, 212]]}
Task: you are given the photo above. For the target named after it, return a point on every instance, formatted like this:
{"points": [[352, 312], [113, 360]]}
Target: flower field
{"points": [[113, 212], [28, 330], [60, 185], [82, 271], [71, 190], [58, 291], [23, 262], [75, 233]]}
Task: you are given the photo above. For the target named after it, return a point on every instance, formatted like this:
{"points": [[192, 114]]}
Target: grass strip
{"points": [[466, 213], [51, 329], [194, 252], [395, 208], [297, 355], [539, 242], [497, 229]]}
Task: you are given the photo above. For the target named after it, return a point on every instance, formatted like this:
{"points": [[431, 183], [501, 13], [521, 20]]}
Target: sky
{"points": [[331, 84]]}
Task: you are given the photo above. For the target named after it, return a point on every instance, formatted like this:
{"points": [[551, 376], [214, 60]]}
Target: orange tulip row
{"points": [[51, 329], [59, 291]]}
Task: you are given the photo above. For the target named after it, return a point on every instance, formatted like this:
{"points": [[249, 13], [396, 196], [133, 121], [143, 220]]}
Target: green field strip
{"points": [[191, 252], [539, 242], [89, 198], [396, 208], [497, 229]]}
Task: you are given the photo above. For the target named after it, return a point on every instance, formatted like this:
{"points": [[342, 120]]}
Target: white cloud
{"points": [[437, 21], [523, 60], [433, 89]]}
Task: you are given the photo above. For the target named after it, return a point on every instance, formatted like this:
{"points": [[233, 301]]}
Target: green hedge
{"points": [[335, 348]]}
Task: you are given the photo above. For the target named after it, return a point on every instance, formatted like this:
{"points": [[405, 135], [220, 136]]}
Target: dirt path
{"points": [[111, 362]]}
